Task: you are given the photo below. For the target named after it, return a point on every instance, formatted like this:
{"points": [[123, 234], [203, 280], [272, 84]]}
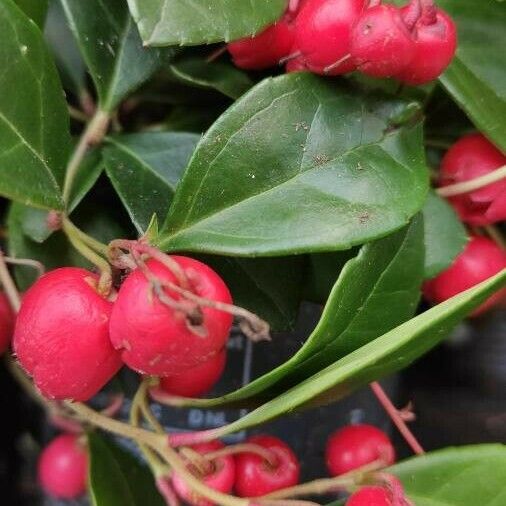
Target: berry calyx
{"points": [[381, 45], [159, 340], [470, 157], [370, 496], [63, 467], [61, 336], [435, 38], [481, 259], [6, 322], [196, 381], [257, 477], [219, 475], [355, 446], [323, 34]]}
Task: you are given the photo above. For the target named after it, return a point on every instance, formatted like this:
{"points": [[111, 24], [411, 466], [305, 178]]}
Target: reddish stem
{"points": [[166, 491], [393, 413], [216, 54], [191, 438]]}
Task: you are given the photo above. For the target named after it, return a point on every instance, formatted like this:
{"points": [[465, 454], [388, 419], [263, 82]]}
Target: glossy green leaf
{"points": [[391, 352], [34, 124], [325, 166], [386, 273], [464, 476], [269, 287], [178, 22], [64, 48], [477, 77], [34, 9], [111, 47], [145, 169], [117, 478], [445, 235], [218, 76]]}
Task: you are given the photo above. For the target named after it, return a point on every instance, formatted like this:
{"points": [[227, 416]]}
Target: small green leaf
{"points": [[386, 273], [322, 163], [445, 235], [145, 169], [112, 49], [34, 123], [218, 76], [117, 478], [477, 77], [464, 476], [64, 48], [178, 22], [386, 354], [34, 9]]}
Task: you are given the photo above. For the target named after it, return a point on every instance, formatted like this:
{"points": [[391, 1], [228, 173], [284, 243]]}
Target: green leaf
{"points": [[178, 22], [477, 77], [218, 76], [385, 274], [465, 476], [34, 9], [389, 353], [112, 49], [145, 169], [34, 123], [64, 48], [269, 287], [445, 235], [323, 164], [117, 478]]}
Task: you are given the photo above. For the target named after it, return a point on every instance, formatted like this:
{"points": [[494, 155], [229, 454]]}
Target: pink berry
{"points": [[198, 380], [257, 477], [470, 157], [381, 45], [63, 467], [435, 37], [480, 260], [158, 340], [323, 34], [370, 496], [265, 49], [355, 446], [61, 336], [6, 322], [296, 64], [221, 475]]}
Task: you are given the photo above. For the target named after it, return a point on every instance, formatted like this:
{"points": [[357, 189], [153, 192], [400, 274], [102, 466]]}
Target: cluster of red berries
{"points": [[413, 44], [471, 157], [71, 339], [62, 465]]}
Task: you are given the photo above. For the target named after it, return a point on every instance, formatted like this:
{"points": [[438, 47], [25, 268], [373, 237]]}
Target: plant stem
{"points": [[495, 235], [93, 134], [98, 246], [27, 262], [262, 452], [472, 184], [393, 413], [10, 288]]}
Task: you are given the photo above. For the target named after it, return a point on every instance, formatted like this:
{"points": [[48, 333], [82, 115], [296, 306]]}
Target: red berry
{"points": [[470, 157], [265, 49], [480, 260], [61, 336], [6, 322], [381, 45], [323, 33], [256, 477], [370, 496], [198, 380], [435, 37], [296, 64], [63, 467], [355, 446], [155, 339], [221, 476]]}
